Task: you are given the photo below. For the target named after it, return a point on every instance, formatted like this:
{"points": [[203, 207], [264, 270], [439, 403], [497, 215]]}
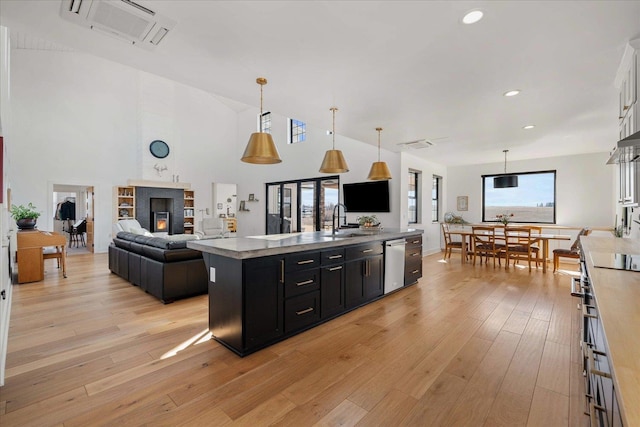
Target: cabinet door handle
{"points": [[335, 256], [306, 282], [415, 271], [416, 241], [366, 251], [281, 271], [306, 261], [415, 254], [335, 268], [305, 311]]}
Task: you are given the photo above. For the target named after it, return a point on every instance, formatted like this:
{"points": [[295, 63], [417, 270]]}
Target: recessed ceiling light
{"points": [[528, 127], [472, 17], [512, 92]]}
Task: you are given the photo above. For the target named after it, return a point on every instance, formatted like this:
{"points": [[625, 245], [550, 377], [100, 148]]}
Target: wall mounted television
{"points": [[370, 196]]}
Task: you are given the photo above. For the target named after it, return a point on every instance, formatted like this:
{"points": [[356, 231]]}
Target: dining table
{"points": [[466, 234]]}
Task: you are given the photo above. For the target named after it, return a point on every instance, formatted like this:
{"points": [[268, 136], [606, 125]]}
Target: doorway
{"points": [[73, 216]]}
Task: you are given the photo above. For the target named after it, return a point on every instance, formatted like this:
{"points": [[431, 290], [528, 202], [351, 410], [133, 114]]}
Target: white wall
{"points": [[584, 187], [82, 120]]}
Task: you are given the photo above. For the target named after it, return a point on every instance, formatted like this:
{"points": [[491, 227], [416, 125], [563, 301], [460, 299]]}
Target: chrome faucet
{"points": [[333, 218]]}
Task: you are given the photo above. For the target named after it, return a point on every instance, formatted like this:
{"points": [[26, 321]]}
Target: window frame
{"points": [[293, 125], [264, 122], [436, 203], [519, 174], [414, 177]]}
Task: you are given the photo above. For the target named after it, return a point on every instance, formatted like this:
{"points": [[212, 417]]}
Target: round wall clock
{"points": [[159, 149]]}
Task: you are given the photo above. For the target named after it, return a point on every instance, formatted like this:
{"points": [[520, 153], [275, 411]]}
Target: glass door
{"points": [[308, 205]]}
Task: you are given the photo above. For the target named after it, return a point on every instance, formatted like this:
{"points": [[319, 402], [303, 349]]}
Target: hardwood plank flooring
{"points": [[467, 345]]}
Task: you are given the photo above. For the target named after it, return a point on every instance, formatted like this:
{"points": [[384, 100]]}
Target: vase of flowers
{"points": [[504, 218]]}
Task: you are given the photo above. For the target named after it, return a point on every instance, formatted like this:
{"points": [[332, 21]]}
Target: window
{"points": [[297, 131], [533, 200], [414, 202], [265, 122], [435, 198]]}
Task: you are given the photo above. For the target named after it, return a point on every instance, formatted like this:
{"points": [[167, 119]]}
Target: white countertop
{"points": [[274, 244]]}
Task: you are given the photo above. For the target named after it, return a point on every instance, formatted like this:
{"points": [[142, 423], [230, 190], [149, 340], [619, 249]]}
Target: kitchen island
{"points": [[611, 345], [264, 289]]}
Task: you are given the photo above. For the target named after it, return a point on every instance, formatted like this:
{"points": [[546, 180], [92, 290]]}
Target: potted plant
{"points": [[25, 216]]}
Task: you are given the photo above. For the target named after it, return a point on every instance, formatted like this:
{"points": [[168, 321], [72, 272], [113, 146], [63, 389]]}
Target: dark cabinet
{"points": [[363, 273], [413, 260], [301, 290], [332, 280], [263, 300]]}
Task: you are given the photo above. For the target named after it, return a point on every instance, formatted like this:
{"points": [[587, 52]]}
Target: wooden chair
{"points": [[520, 245], [483, 240], [573, 252], [57, 252], [450, 244]]}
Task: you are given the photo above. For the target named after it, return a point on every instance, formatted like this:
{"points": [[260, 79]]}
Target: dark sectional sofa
{"points": [[163, 268]]}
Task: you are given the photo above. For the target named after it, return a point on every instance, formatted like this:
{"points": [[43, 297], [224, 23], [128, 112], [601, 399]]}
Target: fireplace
{"points": [[161, 222], [152, 200]]}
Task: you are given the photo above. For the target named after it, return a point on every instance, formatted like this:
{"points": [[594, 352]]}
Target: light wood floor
{"points": [[466, 346]]}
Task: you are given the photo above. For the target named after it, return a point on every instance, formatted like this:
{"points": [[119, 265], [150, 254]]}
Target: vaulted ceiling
{"points": [[410, 67]]}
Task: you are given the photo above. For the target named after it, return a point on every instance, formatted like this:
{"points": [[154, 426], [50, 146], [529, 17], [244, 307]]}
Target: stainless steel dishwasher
{"points": [[394, 264]]}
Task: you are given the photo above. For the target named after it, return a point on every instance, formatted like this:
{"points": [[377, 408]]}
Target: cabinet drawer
{"points": [[414, 241], [301, 261], [300, 282], [301, 311], [333, 256], [359, 251], [411, 275], [411, 254]]}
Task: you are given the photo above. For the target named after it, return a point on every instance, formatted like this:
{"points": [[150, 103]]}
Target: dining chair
{"points": [[520, 245], [573, 252], [483, 240], [55, 252], [449, 243]]}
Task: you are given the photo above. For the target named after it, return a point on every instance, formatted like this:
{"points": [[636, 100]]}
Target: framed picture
{"points": [[463, 203], [252, 197], [242, 206], [223, 215]]}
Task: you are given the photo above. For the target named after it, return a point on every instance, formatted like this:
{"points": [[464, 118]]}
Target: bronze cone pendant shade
{"points": [[334, 161], [379, 170], [261, 149]]}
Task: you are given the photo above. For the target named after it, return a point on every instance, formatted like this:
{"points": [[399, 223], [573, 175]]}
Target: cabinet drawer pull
{"points": [[335, 257], [416, 241], [306, 282], [416, 254], [335, 268], [415, 271], [367, 251], [305, 311], [306, 261], [281, 271]]}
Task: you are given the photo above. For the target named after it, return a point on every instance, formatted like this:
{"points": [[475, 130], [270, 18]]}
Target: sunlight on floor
{"points": [[203, 336]]}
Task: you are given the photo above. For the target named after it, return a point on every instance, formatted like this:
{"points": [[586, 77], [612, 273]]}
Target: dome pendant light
{"points": [[334, 161], [505, 181], [379, 170], [260, 149]]}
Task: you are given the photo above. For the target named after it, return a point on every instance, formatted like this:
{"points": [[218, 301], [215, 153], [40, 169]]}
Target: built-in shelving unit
{"points": [[125, 203], [189, 211]]}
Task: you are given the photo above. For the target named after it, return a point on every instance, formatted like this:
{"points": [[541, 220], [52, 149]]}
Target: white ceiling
{"points": [[410, 67]]}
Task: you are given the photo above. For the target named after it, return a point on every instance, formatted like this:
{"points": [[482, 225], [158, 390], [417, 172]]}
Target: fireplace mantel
{"points": [[158, 184]]}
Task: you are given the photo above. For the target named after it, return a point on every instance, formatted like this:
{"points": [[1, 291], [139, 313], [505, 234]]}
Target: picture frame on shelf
{"points": [[242, 206], [223, 215], [252, 197], [463, 203]]}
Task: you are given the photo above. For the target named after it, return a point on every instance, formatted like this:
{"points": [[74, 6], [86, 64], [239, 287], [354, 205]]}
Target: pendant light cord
{"points": [[505, 160], [379, 130], [333, 129], [261, 81]]}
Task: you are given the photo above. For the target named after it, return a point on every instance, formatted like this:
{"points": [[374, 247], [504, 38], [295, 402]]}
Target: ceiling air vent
{"points": [[123, 19], [415, 145]]}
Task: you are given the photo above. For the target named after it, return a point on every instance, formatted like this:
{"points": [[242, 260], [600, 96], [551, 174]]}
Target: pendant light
{"points": [[334, 161], [260, 149], [505, 181], [379, 170]]}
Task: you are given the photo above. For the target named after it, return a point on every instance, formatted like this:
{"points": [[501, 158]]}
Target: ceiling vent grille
{"points": [[415, 145], [123, 19]]}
